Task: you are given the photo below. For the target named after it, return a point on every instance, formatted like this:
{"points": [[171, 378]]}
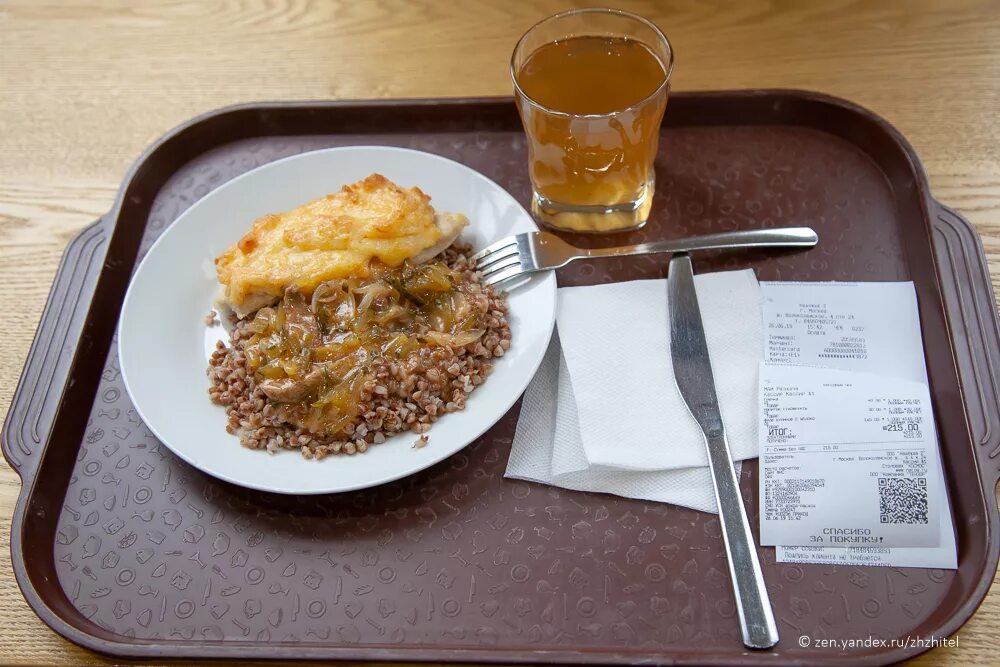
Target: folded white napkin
{"points": [[603, 413]]}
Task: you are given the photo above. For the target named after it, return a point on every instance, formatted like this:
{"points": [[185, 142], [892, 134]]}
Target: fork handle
{"points": [[782, 237]]}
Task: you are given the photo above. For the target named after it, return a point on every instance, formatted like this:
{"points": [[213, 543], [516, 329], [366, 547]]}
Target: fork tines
{"points": [[501, 260]]}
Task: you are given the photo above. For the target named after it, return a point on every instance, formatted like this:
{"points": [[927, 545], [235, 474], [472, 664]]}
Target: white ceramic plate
{"points": [[164, 345]]}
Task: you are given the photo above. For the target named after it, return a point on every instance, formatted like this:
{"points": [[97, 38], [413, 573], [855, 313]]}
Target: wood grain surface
{"points": [[86, 85]]}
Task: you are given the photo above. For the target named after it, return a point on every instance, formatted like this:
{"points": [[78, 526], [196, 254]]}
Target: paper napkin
{"points": [[603, 413]]}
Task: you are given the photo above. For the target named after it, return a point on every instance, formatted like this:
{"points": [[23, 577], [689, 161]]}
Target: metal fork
{"points": [[529, 252]]}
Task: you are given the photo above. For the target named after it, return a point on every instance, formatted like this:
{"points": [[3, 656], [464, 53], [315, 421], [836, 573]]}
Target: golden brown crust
{"points": [[333, 237]]}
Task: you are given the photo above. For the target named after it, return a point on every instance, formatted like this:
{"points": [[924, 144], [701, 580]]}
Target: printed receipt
{"points": [[850, 467], [844, 460]]}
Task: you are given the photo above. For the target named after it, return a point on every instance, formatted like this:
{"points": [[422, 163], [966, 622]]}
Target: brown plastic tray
{"points": [[124, 549]]}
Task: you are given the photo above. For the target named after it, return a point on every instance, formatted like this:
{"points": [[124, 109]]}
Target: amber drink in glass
{"points": [[591, 86]]}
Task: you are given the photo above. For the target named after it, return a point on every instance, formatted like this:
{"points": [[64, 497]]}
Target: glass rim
{"points": [[668, 66]]}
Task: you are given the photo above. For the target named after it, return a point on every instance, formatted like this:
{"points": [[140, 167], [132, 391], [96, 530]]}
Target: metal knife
{"points": [[693, 375]]}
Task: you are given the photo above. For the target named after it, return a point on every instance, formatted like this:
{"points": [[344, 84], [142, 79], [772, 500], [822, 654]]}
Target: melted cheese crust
{"points": [[334, 237]]}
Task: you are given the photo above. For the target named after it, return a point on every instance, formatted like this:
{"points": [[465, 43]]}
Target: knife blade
{"points": [[696, 383]]}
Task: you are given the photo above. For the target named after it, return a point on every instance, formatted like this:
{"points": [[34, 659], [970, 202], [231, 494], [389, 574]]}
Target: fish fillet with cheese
{"points": [[333, 237]]}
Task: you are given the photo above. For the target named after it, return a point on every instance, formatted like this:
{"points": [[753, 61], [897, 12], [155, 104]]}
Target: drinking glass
{"points": [[591, 86]]}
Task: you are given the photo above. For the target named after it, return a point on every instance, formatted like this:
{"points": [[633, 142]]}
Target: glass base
{"points": [[591, 219]]}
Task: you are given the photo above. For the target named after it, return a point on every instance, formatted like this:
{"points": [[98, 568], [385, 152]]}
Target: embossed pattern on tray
{"points": [[456, 556]]}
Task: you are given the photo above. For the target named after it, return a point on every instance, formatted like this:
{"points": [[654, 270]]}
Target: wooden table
{"points": [[86, 85]]}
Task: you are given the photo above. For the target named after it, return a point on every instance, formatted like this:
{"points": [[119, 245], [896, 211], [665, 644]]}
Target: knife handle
{"points": [[752, 602]]}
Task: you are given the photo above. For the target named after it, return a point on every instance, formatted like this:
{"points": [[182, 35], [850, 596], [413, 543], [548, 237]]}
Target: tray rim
{"points": [[147, 648]]}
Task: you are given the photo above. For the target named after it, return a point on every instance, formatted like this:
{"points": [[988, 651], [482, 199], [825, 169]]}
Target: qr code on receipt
{"points": [[902, 499]]}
